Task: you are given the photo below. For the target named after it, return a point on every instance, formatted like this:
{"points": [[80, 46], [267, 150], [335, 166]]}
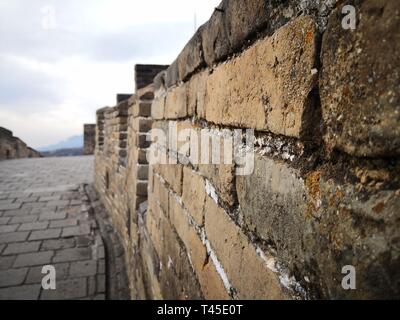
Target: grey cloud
{"points": [[73, 37], [22, 89]]}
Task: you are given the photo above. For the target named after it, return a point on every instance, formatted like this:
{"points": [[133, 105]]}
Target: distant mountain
{"points": [[63, 152], [71, 143]]}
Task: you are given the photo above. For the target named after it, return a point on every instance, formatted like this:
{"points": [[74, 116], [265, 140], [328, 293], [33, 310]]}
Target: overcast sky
{"points": [[61, 60]]}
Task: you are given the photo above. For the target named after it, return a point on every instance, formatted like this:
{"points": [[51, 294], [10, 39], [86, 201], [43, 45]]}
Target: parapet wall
{"points": [[14, 148], [89, 138], [284, 210]]}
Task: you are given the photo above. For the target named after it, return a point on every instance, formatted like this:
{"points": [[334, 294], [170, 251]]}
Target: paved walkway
{"points": [[45, 220]]}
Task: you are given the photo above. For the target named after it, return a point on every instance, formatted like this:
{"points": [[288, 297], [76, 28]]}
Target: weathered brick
{"points": [[191, 57], [194, 194], [172, 174], [210, 282], [28, 292], [73, 254], [13, 277], [8, 228], [67, 289], [251, 279], [176, 103], [197, 90], [10, 206], [222, 178], [142, 171], [172, 74], [33, 259], [160, 194], [63, 223], [141, 188], [360, 84], [45, 234], [17, 212], [146, 93], [75, 231], [4, 220], [14, 237], [84, 268], [6, 262], [159, 84], [157, 108], [23, 219], [56, 244], [142, 109], [33, 226], [272, 191], [176, 264], [140, 155], [142, 140], [275, 97], [22, 247], [142, 124], [153, 225], [52, 216]]}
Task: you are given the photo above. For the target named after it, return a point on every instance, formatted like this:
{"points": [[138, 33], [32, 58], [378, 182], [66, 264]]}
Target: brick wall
{"points": [[316, 188], [14, 148]]}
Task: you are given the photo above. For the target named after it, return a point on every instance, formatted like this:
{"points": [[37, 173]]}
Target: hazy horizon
{"points": [[61, 61]]}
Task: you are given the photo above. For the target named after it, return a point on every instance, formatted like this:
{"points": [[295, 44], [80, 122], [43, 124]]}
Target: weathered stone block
{"points": [[141, 109], [142, 124], [153, 226], [222, 178], [177, 279], [252, 279], [146, 93], [176, 103], [142, 171], [191, 57], [360, 83], [173, 175], [45, 234], [172, 76], [159, 84], [157, 108], [194, 194], [23, 247], [197, 90], [33, 259], [141, 188], [160, 194], [268, 86], [273, 203], [13, 277], [142, 141], [187, 233], [215, 37], [210, 282]]}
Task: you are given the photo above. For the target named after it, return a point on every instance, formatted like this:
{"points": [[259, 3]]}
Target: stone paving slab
{"points": [[45, 220]]}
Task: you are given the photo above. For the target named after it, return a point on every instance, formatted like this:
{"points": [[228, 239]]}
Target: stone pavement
{"points": [[45, 220]]}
